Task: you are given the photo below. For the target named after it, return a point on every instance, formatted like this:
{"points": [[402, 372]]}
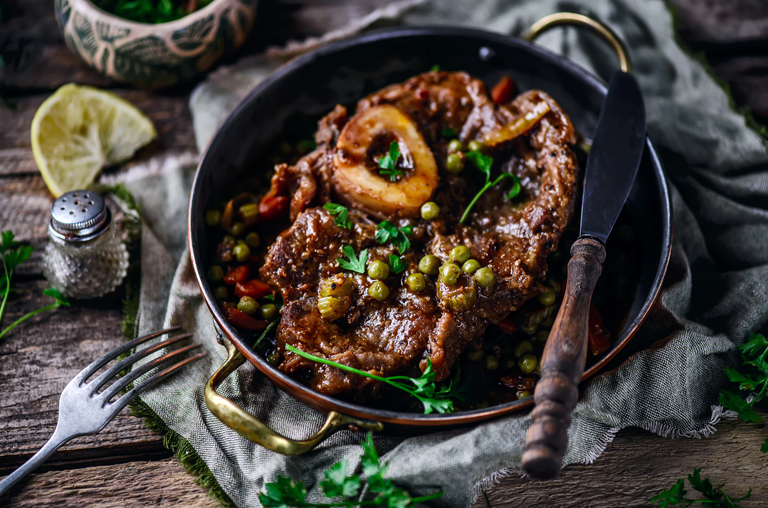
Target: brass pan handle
{"points": [[570, 18], [245, 424]]}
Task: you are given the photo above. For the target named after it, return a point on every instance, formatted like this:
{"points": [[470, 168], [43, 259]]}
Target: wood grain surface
{"points": [[126, 465]]}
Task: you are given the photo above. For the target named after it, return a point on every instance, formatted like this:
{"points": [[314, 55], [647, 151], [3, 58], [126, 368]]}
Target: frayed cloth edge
{"points": [[660, 429]]}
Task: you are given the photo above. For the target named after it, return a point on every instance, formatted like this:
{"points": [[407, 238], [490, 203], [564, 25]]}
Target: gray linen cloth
{"points": [[713, 296]]}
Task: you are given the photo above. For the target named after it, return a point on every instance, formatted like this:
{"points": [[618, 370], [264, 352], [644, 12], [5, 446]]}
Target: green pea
{"points": [[491, 362], [268, 311], [237, 229], [529, 329], [455, 146], [228, 239], [215, 273], [476, 146], [378, 270], [416, 282], [429, 264], [527, 363], [542, 336], [242, 252], [378, 291], [454, 163], [248, 305], [547, 298], [253, 240], [510, 364], [274, 358], [522, 348], [460, 254], [554, 285], [212, 217], [449, 273], [476, 355], [523, 394], [221, 293], [430, 210], [485, 277], [470, 266]]}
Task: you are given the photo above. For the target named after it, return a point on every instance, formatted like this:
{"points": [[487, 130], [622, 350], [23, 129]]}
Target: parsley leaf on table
{"points": [[422, 387], [397, 263], [12, 254], [355, 263], [387, 232], [764, 447], [341, 216], [753, 354], [715, 496], [388, 163], [286, 493], [448, 132]]}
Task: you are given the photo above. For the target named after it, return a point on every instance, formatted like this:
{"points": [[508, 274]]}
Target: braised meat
{"points": [[528, 138]]}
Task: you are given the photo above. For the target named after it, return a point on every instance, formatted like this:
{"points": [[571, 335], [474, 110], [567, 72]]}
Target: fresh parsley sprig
{"points": [[715, 496], [422, 387], [12, 254], [387, 232], [289, 493], [397, 263], [388, 163], [753, 354], [340, 213], [484, 164], [356, 263]]}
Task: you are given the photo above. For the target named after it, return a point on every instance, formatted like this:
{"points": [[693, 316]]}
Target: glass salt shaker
{"points": [[84, 258]]}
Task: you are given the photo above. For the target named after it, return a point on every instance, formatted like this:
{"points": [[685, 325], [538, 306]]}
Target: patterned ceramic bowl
{"points": [[153, 56]]}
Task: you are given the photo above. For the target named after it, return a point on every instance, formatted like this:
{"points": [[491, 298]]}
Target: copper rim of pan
{"points": [[326, 404]]}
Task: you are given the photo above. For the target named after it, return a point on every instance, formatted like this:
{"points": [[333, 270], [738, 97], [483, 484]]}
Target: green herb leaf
{"points": [[733, 402], [481, 162], [423, 387], [54, 293], [370, 457], [764, 447], [7, 241], [387, 232], [753, 353], [338, 483], [397, 263], [715, 496], [388, 163], [355, 263], [283, 493], [434, 68], [448, 132], [513, 192], [341, 215]]}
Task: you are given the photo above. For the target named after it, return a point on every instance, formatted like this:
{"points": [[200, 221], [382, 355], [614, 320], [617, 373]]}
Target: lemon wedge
{"points": [[79, 130]]}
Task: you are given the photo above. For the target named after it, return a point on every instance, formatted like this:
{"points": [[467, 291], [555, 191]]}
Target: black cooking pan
{"points": [[342, 73]]}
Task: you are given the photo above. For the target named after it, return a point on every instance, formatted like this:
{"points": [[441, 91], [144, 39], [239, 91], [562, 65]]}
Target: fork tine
{"points": [[96, 365], [130, 377], [134, 392], [121, 365]]}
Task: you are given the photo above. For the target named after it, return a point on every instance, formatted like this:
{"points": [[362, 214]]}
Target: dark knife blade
{"points": [[614, 157]]}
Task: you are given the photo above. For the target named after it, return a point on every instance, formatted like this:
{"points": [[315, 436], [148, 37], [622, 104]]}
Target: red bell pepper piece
{"points": [[599, 336], [243, 320], [273, 207], [503, 91], [254, 288], [237, 274]]}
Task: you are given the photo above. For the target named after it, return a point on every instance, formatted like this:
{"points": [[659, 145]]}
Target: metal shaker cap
{"points": [[79, 216]]}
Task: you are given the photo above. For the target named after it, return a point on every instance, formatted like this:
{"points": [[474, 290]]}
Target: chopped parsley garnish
{"points": [[341, 216], [423, 387], [397, 263], [484, 164], [380, 491], [355, 263], [387, 232], [449, 132], [388, 163]]}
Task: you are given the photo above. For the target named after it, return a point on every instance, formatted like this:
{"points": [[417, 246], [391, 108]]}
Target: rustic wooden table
{"points": [[126, 464]]}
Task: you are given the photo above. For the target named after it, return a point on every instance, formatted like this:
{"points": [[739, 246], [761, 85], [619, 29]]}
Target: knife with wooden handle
{"points": [[611, 170]]}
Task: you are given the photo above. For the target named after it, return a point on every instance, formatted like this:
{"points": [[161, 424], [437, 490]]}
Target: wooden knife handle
{"points": [[562, 364]]}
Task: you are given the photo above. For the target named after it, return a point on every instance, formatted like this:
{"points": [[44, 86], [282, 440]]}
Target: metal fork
{"points": [[82, 410]]}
